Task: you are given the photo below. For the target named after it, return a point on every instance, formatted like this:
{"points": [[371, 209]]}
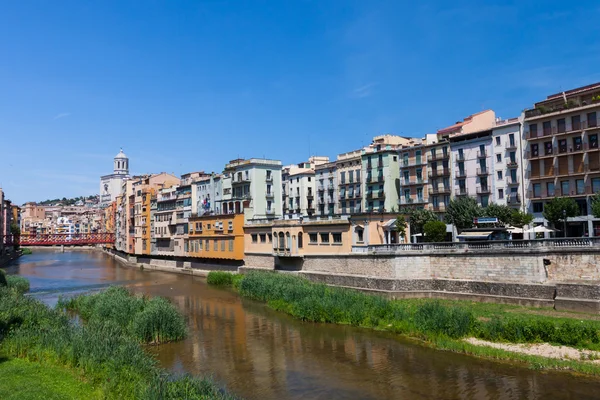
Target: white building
{"points": [[507, 163], [110, 185]]}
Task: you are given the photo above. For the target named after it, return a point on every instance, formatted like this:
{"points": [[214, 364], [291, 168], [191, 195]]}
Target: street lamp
{"points": [[565, 223]]}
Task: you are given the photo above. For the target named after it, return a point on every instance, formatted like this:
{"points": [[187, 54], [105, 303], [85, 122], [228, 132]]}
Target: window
{"points": [[499, 158], [395, 158], [575, 122], [499, 175], [263, 238], [577, 146], [485, 201], [534, 150], [500, 193], [564, 187], [200, 245], [337, 237], [325, 237], [419, 175], [309, 178], [533, 130], [254, 238], [580, 187], [216, 245], [230, 244], [270, 236], [300, 240], [562, 146], [406, 177], [594, 141], [538, 207], [591, 119], [548, 148], [222, 245], [497, 140], [547, 127], [313, 238], [230, 225], [360, 234], [537, 190], [595, 185], [561, 126], [511, 139], [550, 189]]}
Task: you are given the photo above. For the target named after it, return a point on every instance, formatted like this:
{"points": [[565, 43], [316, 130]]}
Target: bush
{"points": [[219, 278], [18, 283], [153, 320], [3, 281], [100, 349], [435, 231]]}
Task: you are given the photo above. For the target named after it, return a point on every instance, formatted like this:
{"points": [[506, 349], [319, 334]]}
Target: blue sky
{"points": [[185, 86]]}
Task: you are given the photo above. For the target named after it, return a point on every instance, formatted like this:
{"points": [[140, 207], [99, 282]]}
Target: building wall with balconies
{"points": [[507, 163], [413, 176], [381, 172], [327, 189], [472, 162], [216, 237], [562, 154], [301, 192], [349, 182]]}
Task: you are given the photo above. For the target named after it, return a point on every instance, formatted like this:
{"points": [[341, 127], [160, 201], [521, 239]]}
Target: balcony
{"points": [[482, 154], [331, 200], [414, 182], [310, 196], [379, 194], [310, 210], [460, 157], [380, 164], [269, 195], [439, 208], [540, 154], [440, 190], [511, 146], [483, 190], [410, 201], [380, 178], [510, 181], [320, 200], [269, 178], [369, 195], [321, 188], [513, 198], [483, 172], [461, 174], [270, 211], [435, 173], [241, 180], [512, 164], [461, 192], [438, 156], [343, 196]]}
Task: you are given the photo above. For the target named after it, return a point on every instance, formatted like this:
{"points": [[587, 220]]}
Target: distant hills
{"points": [[69, 202]]}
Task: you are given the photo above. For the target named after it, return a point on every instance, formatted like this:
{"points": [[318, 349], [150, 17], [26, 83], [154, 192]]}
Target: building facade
{"points": [[110, 185]]}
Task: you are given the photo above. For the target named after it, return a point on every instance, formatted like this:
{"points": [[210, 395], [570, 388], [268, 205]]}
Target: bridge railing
{"points": [[52, 239]]}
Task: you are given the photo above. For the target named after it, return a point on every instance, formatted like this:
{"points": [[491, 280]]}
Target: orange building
{"points": [[216, 237]]}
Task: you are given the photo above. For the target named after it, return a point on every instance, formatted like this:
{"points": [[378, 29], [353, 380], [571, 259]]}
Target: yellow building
{"points": [[216, 237]]}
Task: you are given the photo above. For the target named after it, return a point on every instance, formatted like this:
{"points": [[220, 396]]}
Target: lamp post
{"points": [[565, 223]]}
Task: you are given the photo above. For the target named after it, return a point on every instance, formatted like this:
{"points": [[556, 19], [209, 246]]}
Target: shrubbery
{"points": [[17, 283], [101, 348], [422, 318], [3, 281], [222, 278], [148, 320]]}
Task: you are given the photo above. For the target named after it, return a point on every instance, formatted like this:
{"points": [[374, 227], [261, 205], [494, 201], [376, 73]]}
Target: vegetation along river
{"points": [[258, 353]]}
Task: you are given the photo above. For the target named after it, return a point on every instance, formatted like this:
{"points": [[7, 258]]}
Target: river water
{"points": [[257, 353]]}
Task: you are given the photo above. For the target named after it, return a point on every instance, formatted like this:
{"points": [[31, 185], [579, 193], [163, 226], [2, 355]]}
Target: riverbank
{"points": [[441, 324], [107, 350]]}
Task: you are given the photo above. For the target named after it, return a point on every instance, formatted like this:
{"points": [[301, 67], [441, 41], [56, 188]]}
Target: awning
{"points": [[390, 223], [541, 229], [514, 229], [475, 235], [359, 226]]}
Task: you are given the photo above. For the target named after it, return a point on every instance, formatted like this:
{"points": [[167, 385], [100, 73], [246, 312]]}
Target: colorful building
{"points": [[216, 237]]}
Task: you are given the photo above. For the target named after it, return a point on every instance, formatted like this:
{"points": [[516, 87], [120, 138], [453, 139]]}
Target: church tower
{"points": [[121, 164]]}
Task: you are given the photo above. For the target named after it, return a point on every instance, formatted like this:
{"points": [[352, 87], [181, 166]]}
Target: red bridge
{"points": [[53, 239]]}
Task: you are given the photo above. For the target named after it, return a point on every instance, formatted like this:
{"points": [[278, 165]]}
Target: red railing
{"points": [[53, 239]]}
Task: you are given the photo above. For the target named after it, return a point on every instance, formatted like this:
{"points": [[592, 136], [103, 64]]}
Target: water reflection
{"points": [[260, 354]]}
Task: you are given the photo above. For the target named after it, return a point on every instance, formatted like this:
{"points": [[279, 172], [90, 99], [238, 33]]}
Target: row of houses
{"points": [[258, 206], [37, 219], [9, 219]]}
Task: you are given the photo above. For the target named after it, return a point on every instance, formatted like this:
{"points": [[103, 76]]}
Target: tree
{"points": [[519, 218], [401, 225], [419, 217], [14, 229], [596, 205], [503, 213], [460, 212], [435, 231], [559, 208]]}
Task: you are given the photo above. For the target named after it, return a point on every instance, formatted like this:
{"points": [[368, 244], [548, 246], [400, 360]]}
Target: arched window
{"points": [[281, 241], [300, 240], [288, 241]]}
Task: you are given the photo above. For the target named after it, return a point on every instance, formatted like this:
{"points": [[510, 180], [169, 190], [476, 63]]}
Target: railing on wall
{"points": [[53, 239], [483, 246]]}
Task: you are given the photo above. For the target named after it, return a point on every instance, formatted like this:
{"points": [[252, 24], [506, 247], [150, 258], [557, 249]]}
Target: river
{"points": [[257, 353]]}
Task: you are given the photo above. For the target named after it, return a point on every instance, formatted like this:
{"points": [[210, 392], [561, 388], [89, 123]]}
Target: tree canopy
{"points": [[519, 218], [596, 205], [553, 210], [502, 212], [419, 217], [461, 211], [435, 231]]}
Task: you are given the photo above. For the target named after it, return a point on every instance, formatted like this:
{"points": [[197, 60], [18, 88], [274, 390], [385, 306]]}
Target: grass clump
{"points": [[147, 320], [102, 350], [423, 318], [26, 251], [17, 283], [220, 278]]}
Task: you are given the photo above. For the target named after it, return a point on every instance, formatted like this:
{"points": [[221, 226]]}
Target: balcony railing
{"points": [[482, 154], [460, 157], [483, 171], [512, 181], [435, 173], [483, 190], [513, 198], [440, 190], [409, 201], [310, 196], [511, 146], [269, 195], [461, 174], [461, 192], [439, 208], [438, 156], [269, 178], [512, 164]]}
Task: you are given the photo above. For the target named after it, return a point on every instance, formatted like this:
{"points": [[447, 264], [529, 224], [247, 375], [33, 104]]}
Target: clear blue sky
{"points": [[185, 86]]}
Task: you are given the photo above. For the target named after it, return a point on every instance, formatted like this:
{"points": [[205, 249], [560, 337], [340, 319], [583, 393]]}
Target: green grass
{"points": [[17, 283], [147, 320], [26, 251], [25, 380], [105, 348], [442, 324], [221, 278]]}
